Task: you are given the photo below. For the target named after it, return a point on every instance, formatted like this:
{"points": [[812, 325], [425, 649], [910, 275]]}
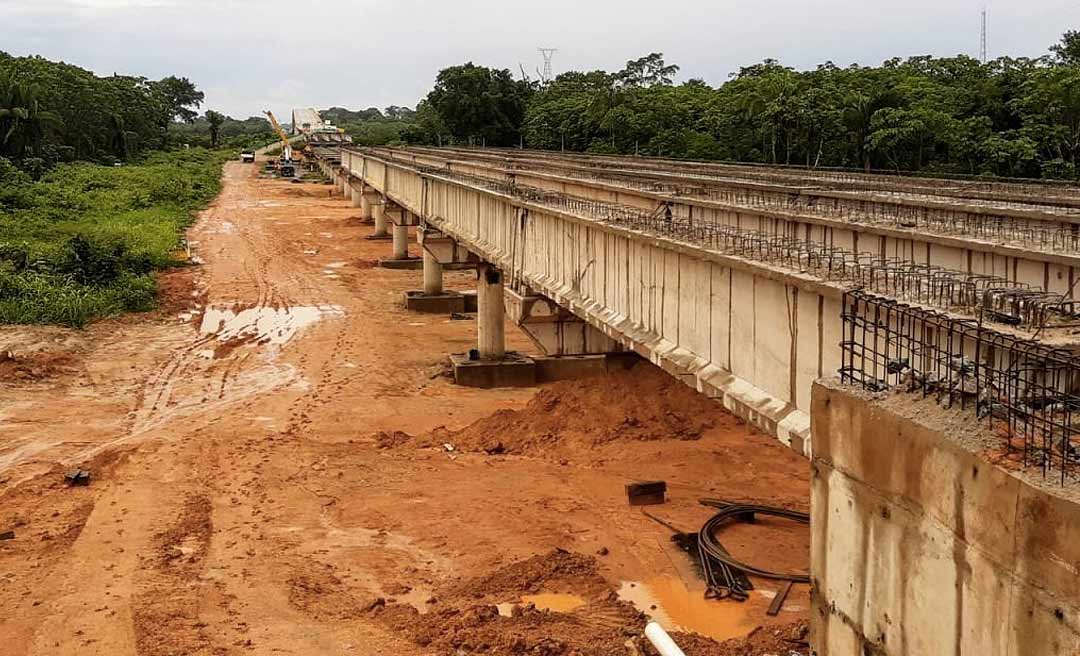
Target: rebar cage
{"points": [[1027, 392]]}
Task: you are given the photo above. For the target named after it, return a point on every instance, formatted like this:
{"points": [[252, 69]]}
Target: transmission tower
{"points": [[548, 53], [982, 37]]}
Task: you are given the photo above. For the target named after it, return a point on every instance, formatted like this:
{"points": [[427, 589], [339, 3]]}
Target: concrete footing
{"points": [[445, 303], [405, 264], [516, 370], [572, 367], [512, 370]]}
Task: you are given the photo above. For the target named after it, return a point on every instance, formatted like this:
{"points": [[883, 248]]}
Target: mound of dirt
{"points": [[555, 571], [480, 629], [465, 618], [641, 403], [788, 640], [32, 367]]}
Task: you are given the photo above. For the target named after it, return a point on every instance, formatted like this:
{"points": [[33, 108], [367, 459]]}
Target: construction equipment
{"points": [[286, 147]]}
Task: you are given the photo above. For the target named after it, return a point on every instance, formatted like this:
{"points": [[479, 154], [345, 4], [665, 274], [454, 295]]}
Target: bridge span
{"points": [[725, 278]]}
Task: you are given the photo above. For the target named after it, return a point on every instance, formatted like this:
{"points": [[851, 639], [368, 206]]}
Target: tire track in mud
{"points": [[225, 380]]}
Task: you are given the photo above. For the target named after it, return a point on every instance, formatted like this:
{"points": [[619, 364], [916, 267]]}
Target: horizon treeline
{"points": [[947, 115], [53, 112]]}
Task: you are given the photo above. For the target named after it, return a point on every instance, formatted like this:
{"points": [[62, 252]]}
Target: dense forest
{"points": [[54, 112], [1007, 117]]}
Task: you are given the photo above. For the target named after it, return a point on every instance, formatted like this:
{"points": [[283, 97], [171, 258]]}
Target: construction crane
{"points": [[286, 147]]}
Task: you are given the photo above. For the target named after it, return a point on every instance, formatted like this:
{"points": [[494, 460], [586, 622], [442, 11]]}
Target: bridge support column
{"points": [[401, 241], [346, 187], [401, 219], [367, 205], [357, 196], [439, 251], [433, 283], [378, 214], [490, 314], [489, 364]]}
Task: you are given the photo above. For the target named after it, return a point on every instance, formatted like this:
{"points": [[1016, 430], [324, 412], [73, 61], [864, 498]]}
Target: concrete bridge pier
{"points": [[378, 215], [356, 193], [439, 252], [368, 200], [490, 313], [400, 220], [433, 280], [489, 364], [346, 187]]}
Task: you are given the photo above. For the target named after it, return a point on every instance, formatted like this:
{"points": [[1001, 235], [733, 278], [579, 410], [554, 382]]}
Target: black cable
{"points": [[714, 551]]}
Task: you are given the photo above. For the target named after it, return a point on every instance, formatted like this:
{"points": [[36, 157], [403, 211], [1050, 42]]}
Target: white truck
{"points": [[247, 156]]}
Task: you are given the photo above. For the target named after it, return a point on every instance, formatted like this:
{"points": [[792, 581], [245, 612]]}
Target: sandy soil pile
{"points": [[465, 616], [29, 367], [638, 404]]}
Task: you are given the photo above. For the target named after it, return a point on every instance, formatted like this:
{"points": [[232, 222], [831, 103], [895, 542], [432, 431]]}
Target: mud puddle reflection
{"points": [[554, 601], [263, 324], [667, 600]]}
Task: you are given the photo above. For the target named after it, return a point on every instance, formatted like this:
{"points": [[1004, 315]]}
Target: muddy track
{"points": [[240, 500]]}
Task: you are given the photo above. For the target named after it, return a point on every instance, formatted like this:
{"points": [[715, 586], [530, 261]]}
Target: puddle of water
{"points": [[265, 325], [667, 600], [559, 602]]}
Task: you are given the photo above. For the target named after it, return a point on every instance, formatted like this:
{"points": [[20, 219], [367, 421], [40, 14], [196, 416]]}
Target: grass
{"points": [[83, 243]]}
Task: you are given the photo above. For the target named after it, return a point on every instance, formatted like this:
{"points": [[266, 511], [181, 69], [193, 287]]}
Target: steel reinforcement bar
{"points": [[1047, 229], [1026, 391]]}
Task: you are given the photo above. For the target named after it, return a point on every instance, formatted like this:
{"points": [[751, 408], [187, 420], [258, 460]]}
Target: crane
{"points": [[286, 147]]}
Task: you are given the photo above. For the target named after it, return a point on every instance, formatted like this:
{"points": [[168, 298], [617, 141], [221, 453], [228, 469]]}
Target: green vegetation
{"points": [[81, 243], [954, 115], [372, 127], [53, 112], [79, 240]]}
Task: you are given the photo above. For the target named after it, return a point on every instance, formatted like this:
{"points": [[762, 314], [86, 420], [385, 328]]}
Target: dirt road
{"points": [[269, 473]]}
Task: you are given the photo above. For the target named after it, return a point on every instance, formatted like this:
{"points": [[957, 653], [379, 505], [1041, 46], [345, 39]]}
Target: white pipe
{"points": [[661, 640]]}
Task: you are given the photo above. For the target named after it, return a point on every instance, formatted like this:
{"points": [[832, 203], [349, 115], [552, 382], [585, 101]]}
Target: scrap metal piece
{"points": [[778, 600], [648, 493], [77, 477]]}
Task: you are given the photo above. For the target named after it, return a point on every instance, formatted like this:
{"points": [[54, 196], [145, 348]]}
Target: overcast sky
{"points": [[248, 56]]}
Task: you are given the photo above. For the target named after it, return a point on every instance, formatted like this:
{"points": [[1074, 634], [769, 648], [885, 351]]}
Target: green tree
{"points": [[24, 123], [214, 119], [481, 104]]}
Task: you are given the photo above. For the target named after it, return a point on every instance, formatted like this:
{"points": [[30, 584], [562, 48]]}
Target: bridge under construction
{"points": [[914, 337]]}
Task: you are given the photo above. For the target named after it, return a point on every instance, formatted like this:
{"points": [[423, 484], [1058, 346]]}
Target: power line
{"points": [[548, 53]]}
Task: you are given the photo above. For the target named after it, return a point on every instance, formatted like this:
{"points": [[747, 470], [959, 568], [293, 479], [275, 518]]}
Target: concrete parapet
{"points": [[920, 546]]}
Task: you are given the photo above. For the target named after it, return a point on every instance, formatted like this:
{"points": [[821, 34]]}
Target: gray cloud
{"points": [[248, 56]]}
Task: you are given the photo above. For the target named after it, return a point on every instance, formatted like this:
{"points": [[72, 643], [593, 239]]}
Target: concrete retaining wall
{"points": [[922, 548]]}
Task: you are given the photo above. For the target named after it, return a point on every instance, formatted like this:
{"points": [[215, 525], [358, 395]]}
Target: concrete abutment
{"points": [[920, 546]]}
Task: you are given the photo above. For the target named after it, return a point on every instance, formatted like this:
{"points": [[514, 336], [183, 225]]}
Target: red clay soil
{"points": [[256, 487], [638, 403]]}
